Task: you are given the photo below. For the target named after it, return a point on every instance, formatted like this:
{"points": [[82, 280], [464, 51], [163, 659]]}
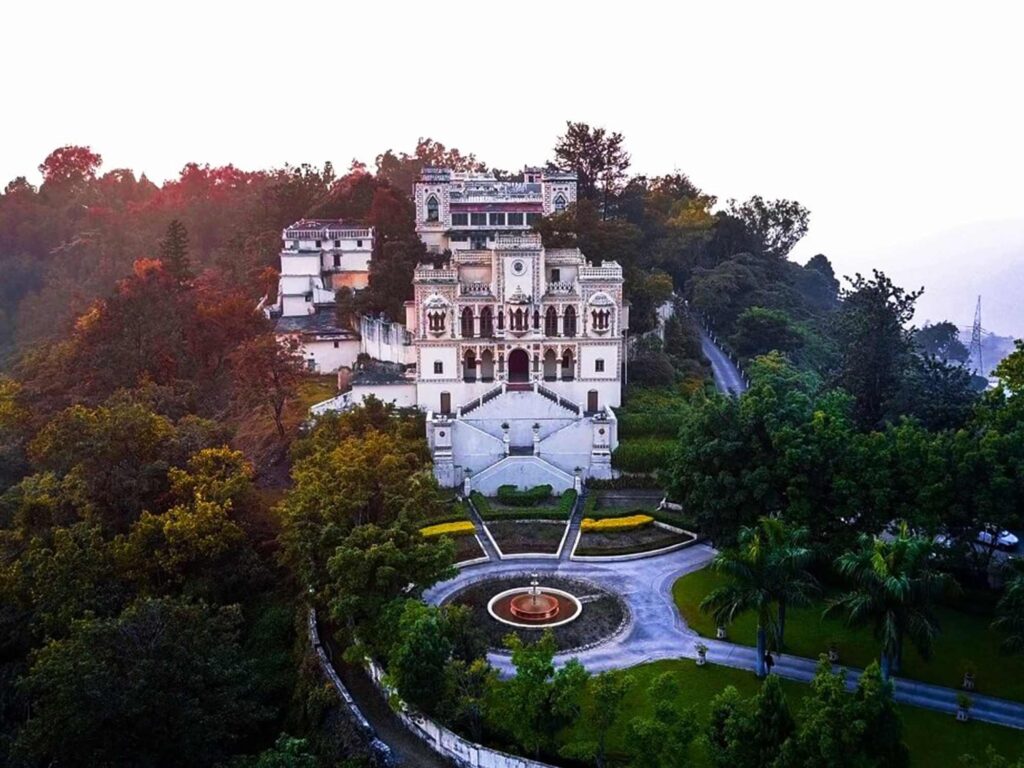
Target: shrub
{"points": [[647, 454], [610, 524], [560, 512], [643, 424], [480, 502], [625, 482], [566, 502], [458, 528], [652, 370], [510, 496]]}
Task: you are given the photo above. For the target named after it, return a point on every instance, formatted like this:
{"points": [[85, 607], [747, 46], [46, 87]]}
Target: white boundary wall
{"points": [[447, 743]]}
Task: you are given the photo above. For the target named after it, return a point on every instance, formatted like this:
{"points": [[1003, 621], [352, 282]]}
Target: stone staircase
{"points": [[522, 472]]}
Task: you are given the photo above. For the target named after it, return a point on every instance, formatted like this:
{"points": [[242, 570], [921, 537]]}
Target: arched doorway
{"points": [[550, 365], [469, 366], [568, 366], [518, 365], [487, 365]]}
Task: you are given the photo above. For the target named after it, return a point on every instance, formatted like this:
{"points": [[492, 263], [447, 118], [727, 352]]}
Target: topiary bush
{"points": [[513, 497]]}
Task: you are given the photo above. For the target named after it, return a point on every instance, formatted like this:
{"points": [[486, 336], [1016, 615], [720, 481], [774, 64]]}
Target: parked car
{"points": [[1004, 539]]}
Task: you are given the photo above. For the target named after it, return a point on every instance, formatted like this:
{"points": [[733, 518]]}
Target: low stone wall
{"points": [[380, 751], [445, 742]]}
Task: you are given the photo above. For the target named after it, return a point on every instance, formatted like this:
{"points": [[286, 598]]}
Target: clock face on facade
{"points": [[518, 267]]}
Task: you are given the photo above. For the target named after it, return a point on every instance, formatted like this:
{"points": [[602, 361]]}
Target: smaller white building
{"points": [[318, 257]]}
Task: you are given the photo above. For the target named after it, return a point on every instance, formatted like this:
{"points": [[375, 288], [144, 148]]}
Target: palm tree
{"points": [[1011, 614], [894, 586], [791, 582], [766, 571]]}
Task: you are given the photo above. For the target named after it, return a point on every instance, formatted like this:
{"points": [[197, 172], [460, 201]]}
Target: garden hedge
{"points": [[644, 454], [511, 496]]}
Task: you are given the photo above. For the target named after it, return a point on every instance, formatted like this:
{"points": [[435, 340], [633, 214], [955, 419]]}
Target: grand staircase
{"points": [[521, 471]]}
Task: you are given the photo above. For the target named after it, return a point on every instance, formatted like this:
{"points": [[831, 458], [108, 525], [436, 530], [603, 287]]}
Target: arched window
{"points": [[551, 322], [435, 320], [536, 319], [559, 203], [569, 322], [433, 209], [467, 323], [486, 322], [469, 366], [501, 319], [601, 319]]}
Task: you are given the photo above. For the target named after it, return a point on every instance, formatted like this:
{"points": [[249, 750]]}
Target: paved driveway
{"points": [[656, 631]]}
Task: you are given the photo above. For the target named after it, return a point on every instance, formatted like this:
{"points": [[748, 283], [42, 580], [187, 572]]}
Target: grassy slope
{"points": [[964, 636], [934, 739]]}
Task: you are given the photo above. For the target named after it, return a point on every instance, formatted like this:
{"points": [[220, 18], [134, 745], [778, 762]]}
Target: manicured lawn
{"points": [[964, 636], [934, 739]]}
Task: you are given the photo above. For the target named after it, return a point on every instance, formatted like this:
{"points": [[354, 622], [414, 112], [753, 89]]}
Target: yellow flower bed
{"points": [[458, 528], [607, 524]]}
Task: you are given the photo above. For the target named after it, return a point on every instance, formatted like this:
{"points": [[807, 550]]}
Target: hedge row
{"points": [[560, 512], [642, 424], [457, 528], [626, 482], [645, 454], [511, 496], [617, 523]]}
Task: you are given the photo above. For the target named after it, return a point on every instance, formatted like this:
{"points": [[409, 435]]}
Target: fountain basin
{"points": [[519, 607]]}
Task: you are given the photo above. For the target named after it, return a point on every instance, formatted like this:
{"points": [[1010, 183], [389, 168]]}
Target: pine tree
{"points": [[174, 252]]}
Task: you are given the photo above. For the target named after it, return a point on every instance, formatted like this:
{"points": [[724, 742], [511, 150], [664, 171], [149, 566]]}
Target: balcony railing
{"points": [[561, 288], [474, 289]]}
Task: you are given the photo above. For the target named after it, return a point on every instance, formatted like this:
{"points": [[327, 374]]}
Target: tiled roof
{"points": [[323, 322]]}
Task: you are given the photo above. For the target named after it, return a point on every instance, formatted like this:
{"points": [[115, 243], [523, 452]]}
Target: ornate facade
{"points": [[518, 349]]}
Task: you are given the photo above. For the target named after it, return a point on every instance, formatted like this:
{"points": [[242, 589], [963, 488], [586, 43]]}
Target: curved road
{"points": [[727, 376]]}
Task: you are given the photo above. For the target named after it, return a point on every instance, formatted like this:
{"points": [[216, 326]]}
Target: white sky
{"points": [[893, 122]]}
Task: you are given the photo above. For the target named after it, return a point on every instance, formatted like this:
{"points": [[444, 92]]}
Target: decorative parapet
{"points": [[431, 274], [518, 242], [610, 270], [327, 233], [562, 256]]}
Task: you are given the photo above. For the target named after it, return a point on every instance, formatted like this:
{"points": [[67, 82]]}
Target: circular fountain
{"points": [[534, 606]]}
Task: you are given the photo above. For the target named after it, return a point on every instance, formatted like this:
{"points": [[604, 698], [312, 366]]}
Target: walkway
{"points": [[657, 631], [727, 376], [481, 534], [575, 521]]}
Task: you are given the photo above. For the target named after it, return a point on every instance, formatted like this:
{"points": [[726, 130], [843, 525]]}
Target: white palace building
{"points": [[514, 351]]}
